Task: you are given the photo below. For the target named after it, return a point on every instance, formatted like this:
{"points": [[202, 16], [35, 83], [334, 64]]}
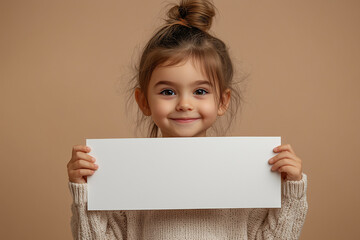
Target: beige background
{"points": [[60, 67]]}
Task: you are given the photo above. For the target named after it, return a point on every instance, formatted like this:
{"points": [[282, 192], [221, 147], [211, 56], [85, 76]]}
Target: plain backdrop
{"points": [[64, 67]]}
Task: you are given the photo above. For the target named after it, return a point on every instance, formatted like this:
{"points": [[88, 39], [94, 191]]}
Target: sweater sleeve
{"points": [[94, 224], [285, 222]]}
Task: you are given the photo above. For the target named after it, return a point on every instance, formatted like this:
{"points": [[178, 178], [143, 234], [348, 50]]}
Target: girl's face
{"points": [[181, 101]]}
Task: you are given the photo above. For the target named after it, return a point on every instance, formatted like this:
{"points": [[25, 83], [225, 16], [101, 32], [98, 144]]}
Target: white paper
{"points": [[183, 173]]}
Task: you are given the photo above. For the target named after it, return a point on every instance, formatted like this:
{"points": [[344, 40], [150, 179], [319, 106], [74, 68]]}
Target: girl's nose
{"points": [[184, 104]]}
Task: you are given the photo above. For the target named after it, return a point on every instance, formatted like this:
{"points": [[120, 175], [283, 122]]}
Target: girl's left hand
{"points": [[287, 163]]}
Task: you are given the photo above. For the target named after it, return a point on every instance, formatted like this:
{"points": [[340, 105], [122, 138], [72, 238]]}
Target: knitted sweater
{"points": [[198, 224]]}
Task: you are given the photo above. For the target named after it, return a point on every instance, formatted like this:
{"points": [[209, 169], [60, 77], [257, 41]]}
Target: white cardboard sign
{"points": [[183, 173]]}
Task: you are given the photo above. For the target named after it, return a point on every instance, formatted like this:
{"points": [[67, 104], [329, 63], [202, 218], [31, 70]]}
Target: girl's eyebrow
{"points": [[198, 82]]}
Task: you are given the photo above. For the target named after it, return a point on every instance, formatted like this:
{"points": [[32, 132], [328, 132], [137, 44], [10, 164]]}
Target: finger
{"points": [[284, 147], [82, 164], [283, 162], [81, 148], [84, 156], [79, 173], [280, 156]]}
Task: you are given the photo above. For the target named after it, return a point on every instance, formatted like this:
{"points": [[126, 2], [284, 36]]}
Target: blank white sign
{"points": [[183, 173]]}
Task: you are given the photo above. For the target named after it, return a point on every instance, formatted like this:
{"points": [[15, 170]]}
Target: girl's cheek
{"points": [[161, 108], [208, 108]]}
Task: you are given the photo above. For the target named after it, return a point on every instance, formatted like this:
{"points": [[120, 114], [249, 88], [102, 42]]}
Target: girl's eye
{"points": [[167, 92], [201, 92]]}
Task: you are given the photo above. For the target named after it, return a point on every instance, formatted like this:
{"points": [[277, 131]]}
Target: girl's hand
{"points": [[287, 163], [81, 164]]}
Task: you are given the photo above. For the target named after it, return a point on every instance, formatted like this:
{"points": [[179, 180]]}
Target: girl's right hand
{"points": [[81, 164]]}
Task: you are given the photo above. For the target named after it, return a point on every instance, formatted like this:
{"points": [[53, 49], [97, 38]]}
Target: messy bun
{"points": [[192, 13]]}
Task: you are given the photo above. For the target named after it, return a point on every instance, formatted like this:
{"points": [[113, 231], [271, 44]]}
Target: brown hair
{"points": [[184, 36]]}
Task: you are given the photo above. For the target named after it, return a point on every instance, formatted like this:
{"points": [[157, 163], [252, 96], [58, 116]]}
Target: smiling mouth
{"points": [[184, 120]]}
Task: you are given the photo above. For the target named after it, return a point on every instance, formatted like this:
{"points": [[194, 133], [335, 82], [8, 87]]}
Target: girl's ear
{"points": [[224, 104], [142, 102]]}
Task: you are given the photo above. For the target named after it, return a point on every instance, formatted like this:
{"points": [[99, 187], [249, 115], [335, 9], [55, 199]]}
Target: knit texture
{"points": [[200, 224]]}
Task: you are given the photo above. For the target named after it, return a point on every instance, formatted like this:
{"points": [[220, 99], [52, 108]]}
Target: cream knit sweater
{"points": [[200, 224]]}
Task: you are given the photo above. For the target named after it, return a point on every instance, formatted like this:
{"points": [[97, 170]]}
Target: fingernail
{"points": [[93, 159]]}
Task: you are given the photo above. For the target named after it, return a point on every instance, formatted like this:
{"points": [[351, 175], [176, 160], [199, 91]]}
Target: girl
{"points": [[184, 83]]}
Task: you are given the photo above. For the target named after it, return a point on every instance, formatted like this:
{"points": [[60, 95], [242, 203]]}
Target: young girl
{"points": [[184, 84]]}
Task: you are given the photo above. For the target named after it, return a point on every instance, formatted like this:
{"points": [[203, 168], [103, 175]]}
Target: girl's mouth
{"points": [[184, 120]]}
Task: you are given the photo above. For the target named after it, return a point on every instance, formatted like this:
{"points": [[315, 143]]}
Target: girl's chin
{"points": [[186, 135]]}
